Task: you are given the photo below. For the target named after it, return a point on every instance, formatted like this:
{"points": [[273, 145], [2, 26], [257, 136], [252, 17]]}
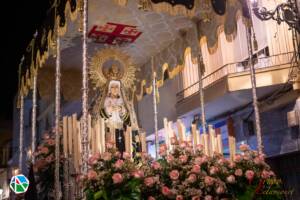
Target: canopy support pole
{"points": [[201, 92], [154, 90], [33, 126], [57, 118], [253, 87], [21, 132], [84, 136], [200, 75]]}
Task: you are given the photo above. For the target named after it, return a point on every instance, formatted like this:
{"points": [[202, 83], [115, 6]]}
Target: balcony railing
{"points": [[231, 68]]}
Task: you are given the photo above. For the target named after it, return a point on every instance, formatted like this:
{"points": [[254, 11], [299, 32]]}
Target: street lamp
{"points": [[287, 12]]}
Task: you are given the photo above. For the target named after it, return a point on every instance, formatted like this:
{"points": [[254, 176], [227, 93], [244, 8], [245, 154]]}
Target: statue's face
{"points": [[114, 89], [114, 69]]}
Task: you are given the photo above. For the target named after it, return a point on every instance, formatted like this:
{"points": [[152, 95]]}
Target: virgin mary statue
{"points": [[115, 105]]}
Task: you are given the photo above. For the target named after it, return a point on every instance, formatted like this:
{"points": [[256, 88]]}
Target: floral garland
{"points": [[183, 173], [44, 166]]}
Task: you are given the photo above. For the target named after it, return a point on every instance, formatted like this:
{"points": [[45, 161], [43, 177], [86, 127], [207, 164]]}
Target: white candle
{"points": [[219, 139], [143, 142], [206, 144], [70, 135], [166, 133], [181, 130], [65, 136], [102, 134], [194, 134]]}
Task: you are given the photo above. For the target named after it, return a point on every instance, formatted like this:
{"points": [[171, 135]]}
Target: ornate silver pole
{"points": [[21, 132], [154, 85], [57, 119], [201, 93], [253, 84], [33, 131], [155, 116], [84, 136]]}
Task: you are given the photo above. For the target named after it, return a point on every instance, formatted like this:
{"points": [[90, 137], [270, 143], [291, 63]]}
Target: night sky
{"points": [[19, 22]]}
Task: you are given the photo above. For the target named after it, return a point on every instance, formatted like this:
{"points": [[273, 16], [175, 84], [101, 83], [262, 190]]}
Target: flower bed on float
{"points": [[183, 173], [44, 166]]}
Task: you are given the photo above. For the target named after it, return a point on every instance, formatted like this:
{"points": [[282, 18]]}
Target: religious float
{"points": [[108, 55]]}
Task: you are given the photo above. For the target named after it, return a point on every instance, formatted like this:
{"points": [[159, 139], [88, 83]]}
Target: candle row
{"points": [[97, 138], [211, 142]]}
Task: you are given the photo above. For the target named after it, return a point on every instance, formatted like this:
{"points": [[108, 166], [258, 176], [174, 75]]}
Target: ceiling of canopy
{"points": [[159, 30], [167, 34]]}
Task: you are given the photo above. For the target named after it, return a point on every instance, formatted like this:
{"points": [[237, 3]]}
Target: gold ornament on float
{"points": [[112, 64]]}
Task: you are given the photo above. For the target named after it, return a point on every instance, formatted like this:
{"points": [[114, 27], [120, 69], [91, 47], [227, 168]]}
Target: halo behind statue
{"points": [[112, 64]]}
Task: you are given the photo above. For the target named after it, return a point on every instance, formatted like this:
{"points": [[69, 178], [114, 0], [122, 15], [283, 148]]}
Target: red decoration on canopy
{"points": [[113, 34]]}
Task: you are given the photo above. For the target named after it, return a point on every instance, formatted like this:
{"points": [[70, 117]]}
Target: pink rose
{"points": [[93, 159], [170, 158], [192, 178], [119, 163], [271, 173], [265, 174], [138, 174], [231, 165], [237, 158], [106, 156], [189, 149], [220, 190], [182, 144], [92, 175], [196, 169], [262, 157], [249, 174], [150, 198], [49, 158], [46, 136], [51, 142], [155, 165], [196, 198], [199, 147], [117, 178], [222, 161], [257, 161], [173, 140], [126, 155], [244, 147], [208, 197], [230, 179], [183, 158], [198, 161], [166, 191], [149, 181], [213, 170], [209, 181], [118, 154], [44, 150], [179, 197], [238, 172], [190, 144], [163, 150], [109, 145], [174, 174]]}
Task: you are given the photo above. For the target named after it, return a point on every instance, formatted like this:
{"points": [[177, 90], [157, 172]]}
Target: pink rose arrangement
{"points": [[44, 164], [178, 174]]}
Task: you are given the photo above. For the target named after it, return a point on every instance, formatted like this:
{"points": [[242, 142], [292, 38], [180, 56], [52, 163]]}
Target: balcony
{"points": [[232, 83]]}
